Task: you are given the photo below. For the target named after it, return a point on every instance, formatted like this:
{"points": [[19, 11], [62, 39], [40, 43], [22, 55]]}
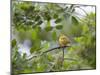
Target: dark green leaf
{"points": [[37, 18], [48, 28], [58, 20], [73, 10], [39, 22], [30, 9], [74, 20], [55, 16], [36, 45], [48, 18], [34, 48], [24, 6], [24, 55], [59, 27], [71, 7], [13, 43]]}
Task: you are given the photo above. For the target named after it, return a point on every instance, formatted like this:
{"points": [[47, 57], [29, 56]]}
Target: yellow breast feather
{"points": [[63, 40]]}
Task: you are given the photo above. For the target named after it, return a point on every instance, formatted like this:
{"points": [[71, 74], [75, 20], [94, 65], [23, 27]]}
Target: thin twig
{"points": [[47, 51], [83, 10], [63, 54]]}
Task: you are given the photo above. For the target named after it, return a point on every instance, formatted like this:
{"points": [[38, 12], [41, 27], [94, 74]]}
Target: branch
{"points": [[83, 10], [63, 54], [48, 51]]}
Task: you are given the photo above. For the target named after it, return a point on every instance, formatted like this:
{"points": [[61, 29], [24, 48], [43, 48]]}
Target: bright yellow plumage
{"points": [[63, 40]]}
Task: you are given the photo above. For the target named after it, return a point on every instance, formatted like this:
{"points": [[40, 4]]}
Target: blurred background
{"points": [[36, 28]]}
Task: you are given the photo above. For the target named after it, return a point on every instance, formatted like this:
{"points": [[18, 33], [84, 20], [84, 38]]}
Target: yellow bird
{"points": [[63, 40]]}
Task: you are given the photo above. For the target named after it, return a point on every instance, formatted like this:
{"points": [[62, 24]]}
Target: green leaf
{"points": [[24, 55], [58, 20], [50, 57], [78, 39], [59, 27], [33, 49], [46, 45], [39, 22], [34, 35], [24, 6], [74, 20], [48, 28], [40, 68], [85, 28], [27, 70], [36, 46], [13, 43], [39, 28], [30, 9], [37, 18], [73, 10], [48, 23], [66, 65], [48, 18], [54, 35], [55, 16]]}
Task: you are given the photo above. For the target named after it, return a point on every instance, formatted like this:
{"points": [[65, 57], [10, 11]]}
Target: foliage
{"points": [[42, 24]]}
